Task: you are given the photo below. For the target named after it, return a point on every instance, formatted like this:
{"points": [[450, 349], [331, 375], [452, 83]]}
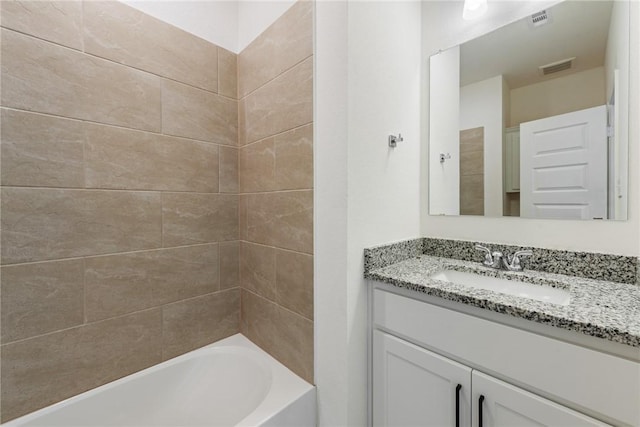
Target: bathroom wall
{"points": [[119, 197], [481, 106], [366, 193], [560, 95], [275, 82], [444, 27], [215, 21]]}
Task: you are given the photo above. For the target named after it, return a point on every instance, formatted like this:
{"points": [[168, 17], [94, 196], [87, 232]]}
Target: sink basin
{"points": [[504, 286]]}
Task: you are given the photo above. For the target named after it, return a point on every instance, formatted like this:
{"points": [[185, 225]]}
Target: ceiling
{"points": [[576, 29]]}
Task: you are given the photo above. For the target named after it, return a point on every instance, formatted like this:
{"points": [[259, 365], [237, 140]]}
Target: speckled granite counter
{"points": [[603, 309]]}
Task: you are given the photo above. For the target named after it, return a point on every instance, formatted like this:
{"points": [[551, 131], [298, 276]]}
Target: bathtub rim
{"points": [[285, 389]]}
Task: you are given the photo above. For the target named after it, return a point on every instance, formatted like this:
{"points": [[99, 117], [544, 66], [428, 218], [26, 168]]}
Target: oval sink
{"points": [[504, 286]]}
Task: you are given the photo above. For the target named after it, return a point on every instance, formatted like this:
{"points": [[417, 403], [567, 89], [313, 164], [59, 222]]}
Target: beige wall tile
{"points": [[120, 284], [41, 151], [134, 160], [199, 218], [41, 298], [283, 334], [193, 323], [227, 73], [123, 34], [257, 164], [283, 104], [43, 370], [284, 44], [243, 201], [228, 170], [283, 162], [258, 269], [282, 219], [472, 139], [198, 114], [56, 21], [472, 195], [242, 125], [44, 77], [229, 265], [41, 224], [471, 163], [294, 282], [294, 159]]}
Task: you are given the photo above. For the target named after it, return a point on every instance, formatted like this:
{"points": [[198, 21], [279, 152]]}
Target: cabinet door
{"points": [[510, 406], [415, 387]]}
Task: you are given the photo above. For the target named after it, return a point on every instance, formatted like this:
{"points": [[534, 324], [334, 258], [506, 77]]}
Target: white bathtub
{"points": [[229, 383]]}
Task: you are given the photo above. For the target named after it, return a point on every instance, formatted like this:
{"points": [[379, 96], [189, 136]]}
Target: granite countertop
{"points": [[598, 308]]}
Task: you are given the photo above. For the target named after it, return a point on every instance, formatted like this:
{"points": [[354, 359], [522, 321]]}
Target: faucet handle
{"points": [[488, 258], [514, 260]]}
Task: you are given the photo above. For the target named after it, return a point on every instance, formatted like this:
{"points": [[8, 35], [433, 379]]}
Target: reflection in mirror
{"points": [[531, 120]]}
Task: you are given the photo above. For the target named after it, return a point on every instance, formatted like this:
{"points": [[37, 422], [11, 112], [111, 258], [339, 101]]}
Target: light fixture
{"points": [[473, 9]]}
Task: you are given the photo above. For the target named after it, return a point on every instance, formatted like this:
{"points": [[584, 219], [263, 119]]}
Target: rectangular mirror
{"points": [[531, 120]]}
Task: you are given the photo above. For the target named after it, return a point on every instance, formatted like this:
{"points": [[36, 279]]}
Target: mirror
{"points": [[531, 120]]}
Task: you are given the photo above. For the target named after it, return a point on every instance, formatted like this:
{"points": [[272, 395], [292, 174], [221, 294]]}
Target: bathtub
{"points": [[229, 383]]}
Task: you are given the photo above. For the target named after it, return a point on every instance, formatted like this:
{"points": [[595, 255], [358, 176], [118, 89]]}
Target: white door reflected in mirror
{"points": [[563, 166]]}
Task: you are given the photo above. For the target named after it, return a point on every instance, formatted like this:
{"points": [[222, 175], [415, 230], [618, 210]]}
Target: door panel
{"points": [[414, 387], [563, 166], [505, 405]]}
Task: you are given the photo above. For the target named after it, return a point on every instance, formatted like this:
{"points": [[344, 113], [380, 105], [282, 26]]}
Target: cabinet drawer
{"points": [[589, 381]]}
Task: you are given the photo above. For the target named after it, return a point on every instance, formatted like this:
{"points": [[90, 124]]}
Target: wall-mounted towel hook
{"points": [[393, 140]]}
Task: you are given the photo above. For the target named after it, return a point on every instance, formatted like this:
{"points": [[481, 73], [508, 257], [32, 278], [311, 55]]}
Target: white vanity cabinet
{"points": [[421, 352], [416, 387]]}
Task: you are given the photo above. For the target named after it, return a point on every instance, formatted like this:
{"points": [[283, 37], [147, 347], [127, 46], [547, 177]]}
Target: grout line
{"points": [[273, 78], [91, 122], [83, 51], [297, 190], [280, 306], [275, 247], [120, 316], [275, 135], [83, 257], [83, 325], [120, 190]]}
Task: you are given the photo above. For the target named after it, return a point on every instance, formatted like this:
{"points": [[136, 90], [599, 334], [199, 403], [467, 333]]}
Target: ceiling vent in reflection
{"points": [[539, 19], [557, 66]]}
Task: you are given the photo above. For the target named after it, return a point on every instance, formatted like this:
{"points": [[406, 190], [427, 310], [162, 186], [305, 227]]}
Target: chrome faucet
{"points": [[497, 260]]}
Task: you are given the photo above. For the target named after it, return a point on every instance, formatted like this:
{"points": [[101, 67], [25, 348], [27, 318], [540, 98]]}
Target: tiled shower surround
{"points": [[275, 92], [156, 195]]}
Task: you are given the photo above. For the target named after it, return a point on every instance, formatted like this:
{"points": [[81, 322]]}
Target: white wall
{"points": [[442, 28], [377, 201], [481, 106], [256, 16], [214, 21], [231, 24], [573, 92], [444, 102], [331, 316]]}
